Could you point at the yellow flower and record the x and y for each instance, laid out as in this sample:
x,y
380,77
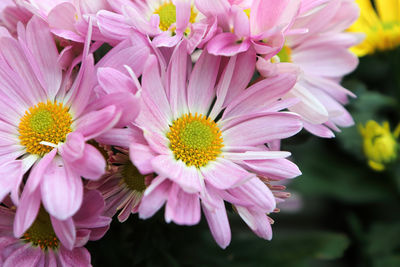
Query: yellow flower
x,y
380,144
381,26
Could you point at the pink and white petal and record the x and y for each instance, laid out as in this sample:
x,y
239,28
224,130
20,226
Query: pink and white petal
x,y
182,208
142,156
217,220
201,88
263,17
25,255
128,105
116,137
41,43
241,23
227,44
188,178
319,130
78,257
224,174
65,231
154,94
261,94
27,211
113,25
255,155
273,168
136,19
212,7
73,148
177,80
260,130
95,123
62,16
257,193
61,190
183,12
82,88
309,107
91,165
10,177
332,61
153,200
114,81
257,221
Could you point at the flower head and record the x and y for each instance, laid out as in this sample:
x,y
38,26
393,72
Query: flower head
x,y
50,242
47,119
379,143
381,26
206,143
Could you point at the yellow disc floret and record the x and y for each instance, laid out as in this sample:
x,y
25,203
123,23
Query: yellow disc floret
x,y
45,122
41,233
195,140
167,13
285,55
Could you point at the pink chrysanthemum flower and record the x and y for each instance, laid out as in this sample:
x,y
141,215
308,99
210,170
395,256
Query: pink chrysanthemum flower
x,y
261,24
122,186
68,19
43,244
205,141
45,123
322,58
166,21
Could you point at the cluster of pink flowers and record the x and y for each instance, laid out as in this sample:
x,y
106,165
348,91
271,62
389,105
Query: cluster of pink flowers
x,y
172,115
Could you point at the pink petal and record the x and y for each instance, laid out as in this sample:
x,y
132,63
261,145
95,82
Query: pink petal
x,y
227,44
274,168
42,45
260,130
218,222
187,177
114,81
182,208
113,25
141,156
224,174
65,231
61,190
10,177
201,89
91,165
155,199
27,211
257,221
24,256
78,257
95,123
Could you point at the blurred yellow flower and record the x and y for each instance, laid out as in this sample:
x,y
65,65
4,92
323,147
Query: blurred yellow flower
x,y
379,143
381,27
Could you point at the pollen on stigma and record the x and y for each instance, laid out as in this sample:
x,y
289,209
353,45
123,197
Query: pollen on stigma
x,y
167,13
45,122
196,140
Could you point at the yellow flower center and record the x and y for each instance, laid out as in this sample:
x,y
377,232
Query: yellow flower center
x,y
167,13
133,179
41,233
44,122
195,140
285,55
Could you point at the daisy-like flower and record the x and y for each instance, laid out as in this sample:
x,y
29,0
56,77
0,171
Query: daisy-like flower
x,y
45,123
260,24
205,141
381,26
166,21
321,56
68,19
43,243
122,186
